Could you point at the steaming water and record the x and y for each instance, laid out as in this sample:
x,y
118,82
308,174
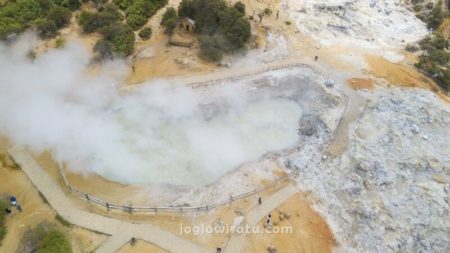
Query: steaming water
x,y
165,133
189,151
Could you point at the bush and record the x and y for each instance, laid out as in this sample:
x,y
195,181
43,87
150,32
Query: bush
x,y
60,42
169,19
235,28
145,33
3,205
122,38
267,12
104,48
436,17
45,238
46,28
94,21
55,242
71,4
240,7
136,21
211,48
435,60
144,8
16,16
226,27
60,16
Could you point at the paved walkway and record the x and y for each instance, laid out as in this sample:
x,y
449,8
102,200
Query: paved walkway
x,y
237,241
121,231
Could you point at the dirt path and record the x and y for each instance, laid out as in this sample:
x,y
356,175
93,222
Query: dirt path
x,y
119,229
237,241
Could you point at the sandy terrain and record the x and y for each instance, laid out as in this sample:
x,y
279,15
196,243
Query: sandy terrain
x,y
402,75
35,211
311,233
360,83
141,246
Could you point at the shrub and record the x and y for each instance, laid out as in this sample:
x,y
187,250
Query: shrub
x,y
60,42
46,28
92,22
211,48
16,16
169,19
59,15
136,21
225,27
436,16
144,8
3,205
46,5
71,4
104,48
235,28
145,33
240,7
267,12
122,38
54,242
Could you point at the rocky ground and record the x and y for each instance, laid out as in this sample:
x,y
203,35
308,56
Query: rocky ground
x,y
362,23
390,190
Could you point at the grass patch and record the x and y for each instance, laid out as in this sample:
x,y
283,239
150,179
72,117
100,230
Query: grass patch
x,y
45,238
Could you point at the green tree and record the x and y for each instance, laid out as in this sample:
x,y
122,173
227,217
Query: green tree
x,y
136,21
169,19
46,28
16,16
145,33
94,21
59,15
240,7
72,4
122,38
211,48
436,17
236,28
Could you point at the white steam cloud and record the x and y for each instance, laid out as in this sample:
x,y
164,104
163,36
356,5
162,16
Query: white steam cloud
x,y
165,133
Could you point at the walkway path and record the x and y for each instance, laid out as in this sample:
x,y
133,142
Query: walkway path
x,y
237,241
121,231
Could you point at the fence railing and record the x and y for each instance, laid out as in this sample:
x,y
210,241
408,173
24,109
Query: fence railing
x,y
207,83
170,209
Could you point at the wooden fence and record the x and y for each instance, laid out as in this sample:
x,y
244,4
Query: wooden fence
x,y
170,209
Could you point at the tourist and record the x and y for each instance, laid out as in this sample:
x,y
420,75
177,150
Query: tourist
x,y
259,201
133,241
19,208
13,201
8,210
316,58
219,250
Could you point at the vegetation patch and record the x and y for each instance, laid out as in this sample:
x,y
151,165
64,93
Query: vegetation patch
x,y
3,206
222,28
435,59
145,33
45,238
169,19
45,15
